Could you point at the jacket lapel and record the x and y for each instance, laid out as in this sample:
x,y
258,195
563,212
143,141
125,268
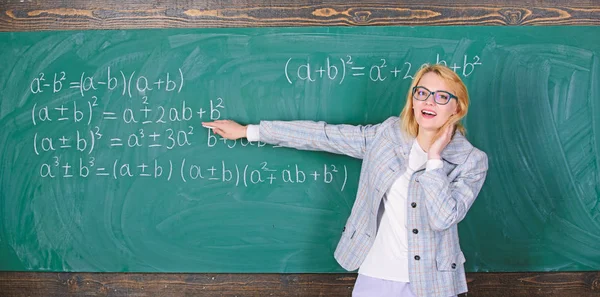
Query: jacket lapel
x,y
403,143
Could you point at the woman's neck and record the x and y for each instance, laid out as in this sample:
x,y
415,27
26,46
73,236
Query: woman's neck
x,y
424,138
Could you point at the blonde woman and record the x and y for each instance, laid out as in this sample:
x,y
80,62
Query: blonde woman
x,y
419,178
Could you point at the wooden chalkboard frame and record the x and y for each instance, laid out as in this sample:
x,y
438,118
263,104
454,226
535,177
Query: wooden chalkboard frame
x,y
26,15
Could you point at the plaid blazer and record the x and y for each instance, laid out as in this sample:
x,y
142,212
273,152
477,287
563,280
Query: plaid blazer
x,y
437,199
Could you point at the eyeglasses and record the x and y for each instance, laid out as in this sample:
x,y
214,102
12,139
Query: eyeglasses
x,y
440,97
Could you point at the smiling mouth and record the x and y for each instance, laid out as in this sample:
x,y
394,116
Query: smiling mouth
x,y
428,113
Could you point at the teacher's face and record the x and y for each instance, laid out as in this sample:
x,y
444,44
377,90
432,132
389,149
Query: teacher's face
x,y
428,102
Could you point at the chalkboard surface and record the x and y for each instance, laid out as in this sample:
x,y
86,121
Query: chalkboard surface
x,y
105,166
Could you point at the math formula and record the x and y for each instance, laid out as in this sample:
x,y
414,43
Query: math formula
x,y
348,68
83,128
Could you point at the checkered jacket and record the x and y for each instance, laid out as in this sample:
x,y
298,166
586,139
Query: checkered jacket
x,y
437,199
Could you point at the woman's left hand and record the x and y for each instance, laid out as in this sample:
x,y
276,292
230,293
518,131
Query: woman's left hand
x,y
436,148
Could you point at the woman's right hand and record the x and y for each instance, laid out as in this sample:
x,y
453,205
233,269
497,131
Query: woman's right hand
x,y
227,129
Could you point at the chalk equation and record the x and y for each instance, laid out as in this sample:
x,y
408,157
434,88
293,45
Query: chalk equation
x,y
341,69
169,138
122,82
85,112
147,136
236,174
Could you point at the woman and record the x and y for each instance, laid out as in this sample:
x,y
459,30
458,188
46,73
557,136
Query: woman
x,y
419,178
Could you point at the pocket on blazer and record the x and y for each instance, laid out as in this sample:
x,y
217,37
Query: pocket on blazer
x,y
450,262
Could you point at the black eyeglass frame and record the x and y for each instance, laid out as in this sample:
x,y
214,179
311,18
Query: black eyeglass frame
x,y
452,96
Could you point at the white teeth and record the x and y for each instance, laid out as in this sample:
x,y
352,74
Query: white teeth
x,y
428,112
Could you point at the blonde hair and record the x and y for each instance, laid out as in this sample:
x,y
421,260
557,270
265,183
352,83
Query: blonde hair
x,y
457,87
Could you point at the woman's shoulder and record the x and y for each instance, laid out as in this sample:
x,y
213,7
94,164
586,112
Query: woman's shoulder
x,y
391,121
479,157
461,151
475,156
392,129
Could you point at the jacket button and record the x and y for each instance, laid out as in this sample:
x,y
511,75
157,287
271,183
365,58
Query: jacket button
x,y
415,231
417,258
453,265
414,204
344,230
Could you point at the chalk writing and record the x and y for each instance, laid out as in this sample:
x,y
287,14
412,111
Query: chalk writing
x,y
146,127
123,82
341,69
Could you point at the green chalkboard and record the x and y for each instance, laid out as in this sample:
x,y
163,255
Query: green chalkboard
x,y
105,166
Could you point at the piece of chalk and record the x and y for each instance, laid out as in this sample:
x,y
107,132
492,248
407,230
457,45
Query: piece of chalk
x,y
207,127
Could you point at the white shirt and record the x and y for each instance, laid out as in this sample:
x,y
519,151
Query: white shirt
x,y
388,257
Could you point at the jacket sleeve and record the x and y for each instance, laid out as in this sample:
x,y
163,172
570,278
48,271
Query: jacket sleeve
x,y
448,201
319,136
